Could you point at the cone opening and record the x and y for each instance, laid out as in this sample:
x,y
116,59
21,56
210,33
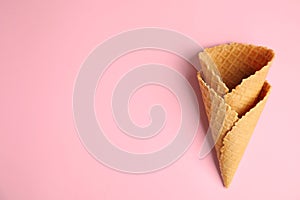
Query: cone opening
x,y
236,61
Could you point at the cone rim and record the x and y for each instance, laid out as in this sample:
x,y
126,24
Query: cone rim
x,y
243,80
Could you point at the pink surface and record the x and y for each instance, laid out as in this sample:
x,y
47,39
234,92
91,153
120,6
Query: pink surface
x,y
43,44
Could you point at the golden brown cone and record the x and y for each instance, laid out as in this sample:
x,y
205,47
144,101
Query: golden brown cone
x,y
236,140
233,105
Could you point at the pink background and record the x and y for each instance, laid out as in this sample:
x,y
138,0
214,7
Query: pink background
x,y
43,44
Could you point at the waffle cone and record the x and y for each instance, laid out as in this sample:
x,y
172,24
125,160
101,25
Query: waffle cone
x,y
236,140
234,91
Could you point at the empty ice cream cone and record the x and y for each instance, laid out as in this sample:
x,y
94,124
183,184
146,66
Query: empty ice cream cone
x,y
234,91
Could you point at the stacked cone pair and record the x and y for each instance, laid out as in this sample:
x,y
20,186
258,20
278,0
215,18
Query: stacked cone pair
x,y
234,92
